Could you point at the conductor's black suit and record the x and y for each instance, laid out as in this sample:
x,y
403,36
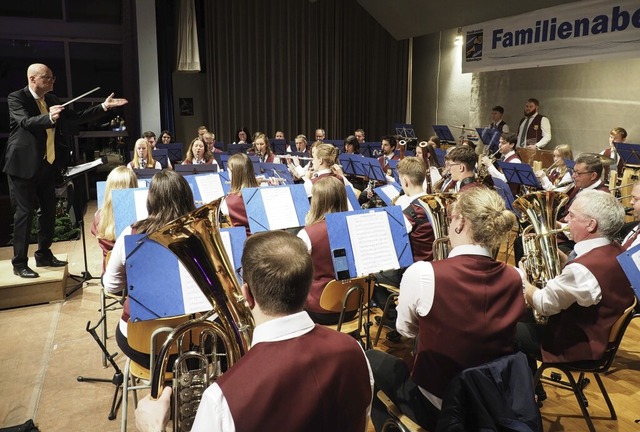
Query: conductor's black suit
x,y
31,177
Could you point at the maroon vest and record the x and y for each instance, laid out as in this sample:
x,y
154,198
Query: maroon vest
x,y
535,129
323,272
468,182
237,211
564,211
421,236
582,333
315,382
477,303
383,164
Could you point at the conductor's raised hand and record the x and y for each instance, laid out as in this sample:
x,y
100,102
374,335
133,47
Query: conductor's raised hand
x,y
111,102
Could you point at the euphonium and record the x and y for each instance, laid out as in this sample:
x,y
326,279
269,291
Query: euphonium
x,y
541,250
438,208
195,240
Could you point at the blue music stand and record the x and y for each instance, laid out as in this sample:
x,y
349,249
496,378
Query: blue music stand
x,y
275,170
195,168
440,154
339,237
238,148
393,164
519,173
254,202
505,192
352,164
175,151
145,173
570,163
490,137
629,153
278,146
404,130
373,170
161,155
444,134
371,149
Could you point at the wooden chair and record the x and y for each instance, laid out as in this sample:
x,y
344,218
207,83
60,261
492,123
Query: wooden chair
x,y
146,337
595,367
397,420
344,296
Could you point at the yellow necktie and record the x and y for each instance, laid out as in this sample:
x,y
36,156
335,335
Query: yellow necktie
x,y
51,146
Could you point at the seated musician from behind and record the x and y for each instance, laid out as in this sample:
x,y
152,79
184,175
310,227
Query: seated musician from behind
x,y
104,224
323,165
463,310
617,135
262,149
558,179
461,162
426,153
169,197
142,157
583,301
242,176
297,376
198,154
329,196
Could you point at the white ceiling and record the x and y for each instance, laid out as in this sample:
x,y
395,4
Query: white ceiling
x,y
410,18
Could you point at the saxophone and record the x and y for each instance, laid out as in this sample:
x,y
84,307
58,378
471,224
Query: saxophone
x,y
227,329
541,250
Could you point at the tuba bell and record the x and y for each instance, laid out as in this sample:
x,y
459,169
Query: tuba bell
x,y
438,208
541,260
227,329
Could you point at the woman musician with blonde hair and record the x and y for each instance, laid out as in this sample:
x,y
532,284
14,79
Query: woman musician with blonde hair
x,y
323,165
559,174
242,176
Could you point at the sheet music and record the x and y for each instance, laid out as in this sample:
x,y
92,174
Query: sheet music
x,y
372,244
193,298
140,203
279,207
390,191
78,169
210,187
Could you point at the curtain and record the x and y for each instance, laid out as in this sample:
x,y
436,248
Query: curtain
x,y
165,35
295,66
188,51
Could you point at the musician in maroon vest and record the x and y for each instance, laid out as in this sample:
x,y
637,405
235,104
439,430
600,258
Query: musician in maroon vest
x,y
323,165
329,196
633,236
463,311
388,149
534,130
297,376
617,135
590,294
507,149
461,162
242,176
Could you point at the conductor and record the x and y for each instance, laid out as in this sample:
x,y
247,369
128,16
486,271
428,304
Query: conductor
x,y
37,149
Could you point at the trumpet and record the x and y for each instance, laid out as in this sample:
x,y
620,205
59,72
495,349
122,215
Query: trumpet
x,y
547,171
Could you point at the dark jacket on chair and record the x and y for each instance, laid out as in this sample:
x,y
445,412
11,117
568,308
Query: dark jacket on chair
x,y
496,396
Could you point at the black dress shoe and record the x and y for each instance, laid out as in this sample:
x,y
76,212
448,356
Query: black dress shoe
x,y
25,272
50,262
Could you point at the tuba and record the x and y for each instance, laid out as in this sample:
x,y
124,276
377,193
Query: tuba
x,y
227,329
541,250
438,209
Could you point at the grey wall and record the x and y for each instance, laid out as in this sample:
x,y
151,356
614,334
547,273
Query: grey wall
x,y
583,102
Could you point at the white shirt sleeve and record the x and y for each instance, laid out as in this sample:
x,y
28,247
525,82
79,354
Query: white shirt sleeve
x,y
417,290
494,172
115,276
545,125
302,235
213,413
576,284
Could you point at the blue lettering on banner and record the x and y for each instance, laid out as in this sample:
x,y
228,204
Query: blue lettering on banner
x,y
549,30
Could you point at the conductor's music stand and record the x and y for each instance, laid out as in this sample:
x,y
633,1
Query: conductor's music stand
x,y
444,134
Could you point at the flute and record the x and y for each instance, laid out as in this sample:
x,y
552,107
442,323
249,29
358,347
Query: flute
x,y
288,156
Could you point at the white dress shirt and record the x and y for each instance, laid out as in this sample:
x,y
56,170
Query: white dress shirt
x,y
545,125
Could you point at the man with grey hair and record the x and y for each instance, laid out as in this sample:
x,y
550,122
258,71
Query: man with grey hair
x,y
588,296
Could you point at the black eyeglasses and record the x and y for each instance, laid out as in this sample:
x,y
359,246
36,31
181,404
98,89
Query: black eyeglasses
x,y
578,173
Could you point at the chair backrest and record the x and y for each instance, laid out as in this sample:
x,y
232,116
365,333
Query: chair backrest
x,y
350,294
615,336
139,333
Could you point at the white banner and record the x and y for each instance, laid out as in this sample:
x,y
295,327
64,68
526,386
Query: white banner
x,y
572,33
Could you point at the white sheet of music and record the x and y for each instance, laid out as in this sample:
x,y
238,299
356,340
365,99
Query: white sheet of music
x,y
140,202
279,207
210,187
193,298
372,244
226,242
390,191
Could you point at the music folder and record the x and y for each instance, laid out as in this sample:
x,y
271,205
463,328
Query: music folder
x,y
129,206
519,173
388,192
374,239
444,133
85,167
275,207
630,262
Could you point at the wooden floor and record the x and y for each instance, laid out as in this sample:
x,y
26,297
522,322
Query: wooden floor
x,y
43,348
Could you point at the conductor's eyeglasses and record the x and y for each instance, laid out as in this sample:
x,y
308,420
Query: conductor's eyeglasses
x,y
48,77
